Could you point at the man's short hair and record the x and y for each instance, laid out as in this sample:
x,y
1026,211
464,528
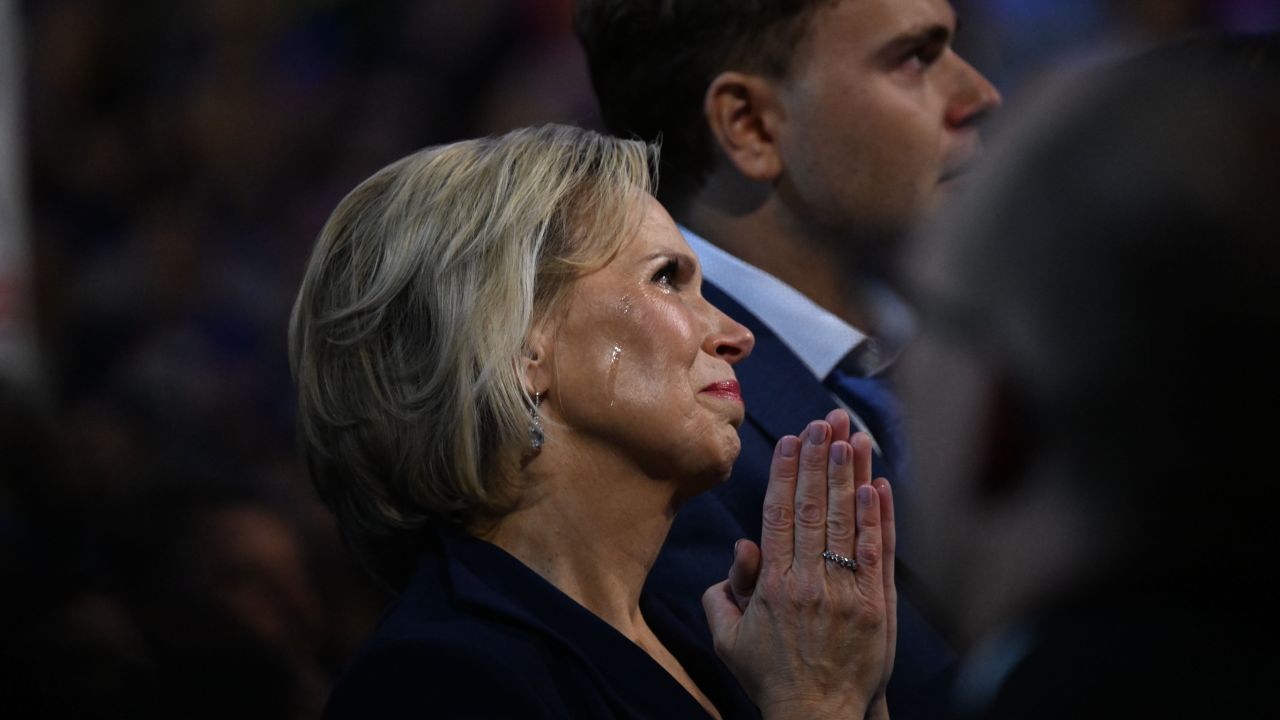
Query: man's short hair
x,y
651,62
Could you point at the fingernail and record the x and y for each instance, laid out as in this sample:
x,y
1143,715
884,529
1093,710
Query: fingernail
x,y
840,453
860,439
864,495
789,446
736,544
817,433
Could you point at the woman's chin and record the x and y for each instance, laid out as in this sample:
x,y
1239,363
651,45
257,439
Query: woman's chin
x,y
717,471
731,454
724,454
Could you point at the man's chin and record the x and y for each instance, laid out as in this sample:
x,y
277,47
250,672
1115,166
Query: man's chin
x,y
946,190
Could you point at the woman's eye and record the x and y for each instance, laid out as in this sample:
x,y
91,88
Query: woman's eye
x,y
666,275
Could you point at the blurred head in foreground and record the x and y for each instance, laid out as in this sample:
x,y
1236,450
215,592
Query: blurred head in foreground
x,y
1094,384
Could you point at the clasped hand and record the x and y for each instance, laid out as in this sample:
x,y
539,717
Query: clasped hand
x,y
807,637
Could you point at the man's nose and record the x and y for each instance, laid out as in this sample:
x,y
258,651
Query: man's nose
x,y
974,99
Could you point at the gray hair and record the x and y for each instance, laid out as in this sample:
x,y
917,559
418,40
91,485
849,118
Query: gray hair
x,y
406,337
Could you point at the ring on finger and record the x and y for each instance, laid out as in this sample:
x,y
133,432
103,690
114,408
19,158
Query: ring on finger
x,y
844,562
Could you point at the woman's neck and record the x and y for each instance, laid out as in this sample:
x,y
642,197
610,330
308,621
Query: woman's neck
x,y
592,527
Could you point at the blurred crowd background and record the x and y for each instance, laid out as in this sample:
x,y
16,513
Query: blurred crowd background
x,y
167,167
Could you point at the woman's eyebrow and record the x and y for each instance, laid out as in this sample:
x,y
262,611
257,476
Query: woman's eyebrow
x,y
680,255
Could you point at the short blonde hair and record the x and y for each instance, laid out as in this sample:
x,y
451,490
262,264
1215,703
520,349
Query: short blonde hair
x,y
407,333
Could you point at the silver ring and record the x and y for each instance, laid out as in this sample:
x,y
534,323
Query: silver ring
x,y
841,560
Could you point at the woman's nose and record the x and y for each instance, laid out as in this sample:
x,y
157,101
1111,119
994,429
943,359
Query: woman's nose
x,y
729,339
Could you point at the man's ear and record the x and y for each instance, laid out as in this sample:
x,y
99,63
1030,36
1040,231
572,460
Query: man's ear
x,y
744,116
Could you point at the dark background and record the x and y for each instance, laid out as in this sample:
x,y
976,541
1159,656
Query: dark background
x,y
161,551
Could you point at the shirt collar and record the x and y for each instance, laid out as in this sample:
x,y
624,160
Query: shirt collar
x,y
816,336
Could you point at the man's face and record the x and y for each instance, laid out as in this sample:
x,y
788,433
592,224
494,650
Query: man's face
x,y
879,115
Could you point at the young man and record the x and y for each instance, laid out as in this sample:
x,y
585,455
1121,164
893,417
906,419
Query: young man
x,y
800,139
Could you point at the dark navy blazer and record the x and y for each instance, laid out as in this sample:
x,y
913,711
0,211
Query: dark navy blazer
x,y
477,634
782,397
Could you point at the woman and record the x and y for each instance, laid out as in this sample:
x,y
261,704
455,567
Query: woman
x,y
506,372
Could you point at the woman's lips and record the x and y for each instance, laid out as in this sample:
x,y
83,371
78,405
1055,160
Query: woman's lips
x,y
725,389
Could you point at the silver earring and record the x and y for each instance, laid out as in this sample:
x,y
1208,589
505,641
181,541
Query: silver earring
x,y
536,436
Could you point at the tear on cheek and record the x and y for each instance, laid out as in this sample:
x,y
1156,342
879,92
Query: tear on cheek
x,y
612,380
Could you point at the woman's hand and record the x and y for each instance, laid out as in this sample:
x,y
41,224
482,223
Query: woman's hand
x,y
841,426
811,638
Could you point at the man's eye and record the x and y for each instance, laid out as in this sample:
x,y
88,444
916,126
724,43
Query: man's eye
x,y
666,275
924,56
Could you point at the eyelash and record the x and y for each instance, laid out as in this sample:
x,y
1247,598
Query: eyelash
x,y
667,274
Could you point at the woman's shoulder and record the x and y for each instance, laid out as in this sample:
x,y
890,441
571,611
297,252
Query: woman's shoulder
x,y
454,649
468,670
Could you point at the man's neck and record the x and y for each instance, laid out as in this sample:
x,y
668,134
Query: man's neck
x,y
765,238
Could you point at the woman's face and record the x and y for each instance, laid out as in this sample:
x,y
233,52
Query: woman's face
x,y
642,365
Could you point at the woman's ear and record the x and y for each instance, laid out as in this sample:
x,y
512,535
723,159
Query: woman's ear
x,y
744,116
537,360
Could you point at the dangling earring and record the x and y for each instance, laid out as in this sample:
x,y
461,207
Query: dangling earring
x,y
536,437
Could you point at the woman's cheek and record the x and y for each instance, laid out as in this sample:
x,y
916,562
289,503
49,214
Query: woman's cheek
x,y
645,357
611,375
635,384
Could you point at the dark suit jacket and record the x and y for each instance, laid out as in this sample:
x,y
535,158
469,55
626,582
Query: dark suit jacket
x,y
782,397
477,634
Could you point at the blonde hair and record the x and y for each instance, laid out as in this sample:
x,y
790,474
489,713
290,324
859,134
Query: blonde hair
x,y
407,333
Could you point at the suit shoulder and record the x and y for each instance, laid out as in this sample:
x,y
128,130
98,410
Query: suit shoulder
x,y
458,670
